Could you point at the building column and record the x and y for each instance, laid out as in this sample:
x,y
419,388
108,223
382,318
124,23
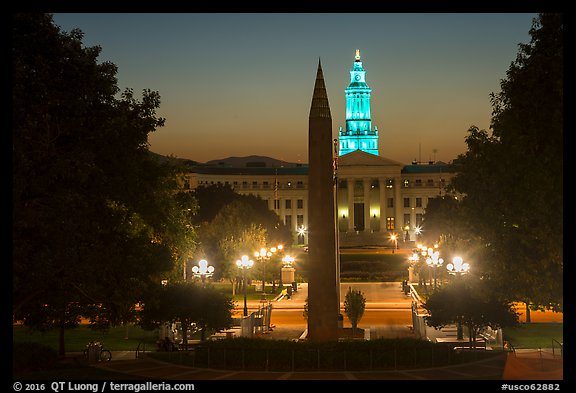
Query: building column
x,y
367,215
398,204
281,210
383,203
350,185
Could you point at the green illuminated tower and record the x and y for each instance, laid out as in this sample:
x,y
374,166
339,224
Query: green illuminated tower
x,y
359,134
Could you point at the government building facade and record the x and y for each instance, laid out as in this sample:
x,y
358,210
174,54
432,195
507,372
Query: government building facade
x,y
376,197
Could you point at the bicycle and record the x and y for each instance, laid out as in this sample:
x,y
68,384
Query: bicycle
x,y
104,354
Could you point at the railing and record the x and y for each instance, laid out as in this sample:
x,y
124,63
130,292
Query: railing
x,y
560,345
141,350
507,346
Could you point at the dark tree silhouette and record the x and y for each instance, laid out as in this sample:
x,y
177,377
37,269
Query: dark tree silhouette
x,y
469,304
94,219
190,305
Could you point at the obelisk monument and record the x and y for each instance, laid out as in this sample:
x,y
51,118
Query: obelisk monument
x,y
323,291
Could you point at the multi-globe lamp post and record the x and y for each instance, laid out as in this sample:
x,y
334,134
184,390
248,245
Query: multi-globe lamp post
x,y
263,255
203,270
244,263
434,261
458,268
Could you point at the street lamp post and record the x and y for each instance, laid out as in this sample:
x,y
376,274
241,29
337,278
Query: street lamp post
x,y
417,233
301,234
279,249
458,267
244,263
263,255
434,261
203,270
412,261
394,238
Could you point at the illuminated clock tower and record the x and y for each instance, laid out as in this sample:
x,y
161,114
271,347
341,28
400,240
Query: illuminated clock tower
x,y
359,134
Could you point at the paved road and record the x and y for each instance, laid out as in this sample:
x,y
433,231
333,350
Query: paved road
x,y
387,313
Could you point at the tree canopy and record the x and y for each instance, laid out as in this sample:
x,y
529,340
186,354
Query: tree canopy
x,y
191,305
235,225
512,178
469,303
94,216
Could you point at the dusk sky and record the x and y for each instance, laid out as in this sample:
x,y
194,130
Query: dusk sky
x,y
241,84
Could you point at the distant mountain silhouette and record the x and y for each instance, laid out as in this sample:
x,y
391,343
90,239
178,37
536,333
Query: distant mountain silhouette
x,y
173,160
251,161
232,162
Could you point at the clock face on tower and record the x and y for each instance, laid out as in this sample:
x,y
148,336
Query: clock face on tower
x,y
357,77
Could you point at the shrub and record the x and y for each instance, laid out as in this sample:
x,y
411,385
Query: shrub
x,y
283,355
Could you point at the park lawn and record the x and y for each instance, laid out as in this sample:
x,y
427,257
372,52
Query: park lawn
x,y
251,293
535,335
373,267
120,338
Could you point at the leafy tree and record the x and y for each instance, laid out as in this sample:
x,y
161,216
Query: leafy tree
x,y
211,199
191,305
513,179
233,232
240,227
354,305
470,304
214,198
94,217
